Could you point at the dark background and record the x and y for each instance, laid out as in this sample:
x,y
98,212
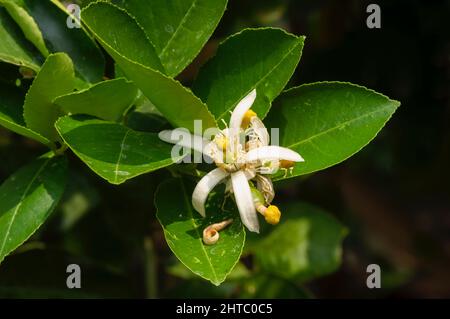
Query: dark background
x,y
394,196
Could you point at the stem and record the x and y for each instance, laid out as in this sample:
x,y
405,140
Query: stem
x,y
60,151
151,280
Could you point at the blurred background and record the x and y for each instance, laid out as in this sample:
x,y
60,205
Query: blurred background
x,y
393,196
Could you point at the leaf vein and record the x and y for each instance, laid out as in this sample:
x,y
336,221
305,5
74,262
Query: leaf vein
x,y
16,210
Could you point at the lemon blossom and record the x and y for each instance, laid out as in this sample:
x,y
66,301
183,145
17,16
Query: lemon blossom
x,y
243,157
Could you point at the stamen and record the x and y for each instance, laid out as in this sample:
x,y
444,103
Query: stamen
x,y
271,214
211,233
286,164
221,142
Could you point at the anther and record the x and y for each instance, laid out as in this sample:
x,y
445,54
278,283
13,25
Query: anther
x,y
271,214
247,117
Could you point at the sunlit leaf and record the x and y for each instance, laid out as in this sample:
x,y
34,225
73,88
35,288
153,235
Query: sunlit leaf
x,y
107,100
113,151
55,78
183,228
264,59
27,198
178,29
129,46
328,122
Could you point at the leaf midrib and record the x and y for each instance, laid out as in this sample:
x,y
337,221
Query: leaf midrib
x,y
177,29
16,210
264,77
120,155
340,125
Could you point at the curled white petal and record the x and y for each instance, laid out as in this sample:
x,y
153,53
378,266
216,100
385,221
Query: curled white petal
x,y
241,108
244,201
183,138
273,152
204,187
238,114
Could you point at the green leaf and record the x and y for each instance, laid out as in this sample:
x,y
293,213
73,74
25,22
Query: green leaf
x,y
328,122
11,113
264,59
178,29
55,78
26,23
113,151
51,18
127,43
27,198
14,48
107,100
305,246
183,228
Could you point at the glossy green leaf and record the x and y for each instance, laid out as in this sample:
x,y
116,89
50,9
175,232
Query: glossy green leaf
x,y
51,18
178,29
55,78
136,57
11,113
327,122
107,100
264,59
14,48
27,198
305,246
183,228
113,151
27,24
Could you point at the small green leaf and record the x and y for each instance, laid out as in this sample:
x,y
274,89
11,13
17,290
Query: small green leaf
x,y
113,151
107,100
14,48
328,122
264,59
11,113
51,18
27,24
127,43
177,28
55,78
305,246
183,228
27,198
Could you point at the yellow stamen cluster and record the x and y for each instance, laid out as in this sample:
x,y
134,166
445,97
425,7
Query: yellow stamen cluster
x,y
222,142
247,117
272,215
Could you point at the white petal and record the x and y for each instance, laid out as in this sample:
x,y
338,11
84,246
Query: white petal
x,y
238,114
183,138
241,108
273,152
244,201
204,186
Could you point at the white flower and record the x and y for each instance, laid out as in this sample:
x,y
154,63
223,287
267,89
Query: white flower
x,y
241,153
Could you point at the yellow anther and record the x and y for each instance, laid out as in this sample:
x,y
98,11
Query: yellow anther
x,y
247,117
286,164
272,215
222,142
